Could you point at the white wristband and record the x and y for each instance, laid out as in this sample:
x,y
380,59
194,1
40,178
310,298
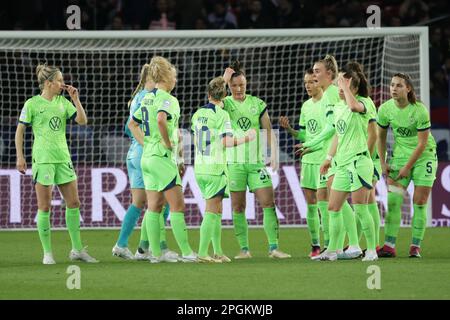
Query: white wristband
x,y
329,158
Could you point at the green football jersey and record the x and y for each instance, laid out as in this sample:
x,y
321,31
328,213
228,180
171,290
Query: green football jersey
x,y
329,99
312,120
210,124
405,124
154,102
244,116
48,120
371,116
351,128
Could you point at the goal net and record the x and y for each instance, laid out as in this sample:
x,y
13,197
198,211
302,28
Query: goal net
x,y
105,67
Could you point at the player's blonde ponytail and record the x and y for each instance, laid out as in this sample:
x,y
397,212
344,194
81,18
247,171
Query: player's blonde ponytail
x,y
145,71
217,89
45,72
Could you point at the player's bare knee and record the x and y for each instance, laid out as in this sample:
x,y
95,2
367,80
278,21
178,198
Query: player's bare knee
x,y
73,203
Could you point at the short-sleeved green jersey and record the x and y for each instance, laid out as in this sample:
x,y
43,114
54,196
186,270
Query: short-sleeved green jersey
x,y
210,124
405,123
351,128
371,116
312,120
244,116
329,99
48,120
154,102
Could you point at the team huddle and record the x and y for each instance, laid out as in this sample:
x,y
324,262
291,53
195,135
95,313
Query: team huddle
x,y
342,148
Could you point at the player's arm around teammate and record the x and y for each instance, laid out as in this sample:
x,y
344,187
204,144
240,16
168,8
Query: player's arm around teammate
x,y
313,186
47,114
212,134
247,168
414,158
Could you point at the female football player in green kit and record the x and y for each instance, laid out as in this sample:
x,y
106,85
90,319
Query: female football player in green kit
x,y
212,130
372,136
246,165
159,114
48,114
310,125
413,159
325,72
137,186
353,164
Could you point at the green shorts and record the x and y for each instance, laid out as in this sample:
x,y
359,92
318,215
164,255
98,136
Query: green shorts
x,y
310,177
53,173
331,171
160,173
423,173
354,175
213,186
255,176
376,170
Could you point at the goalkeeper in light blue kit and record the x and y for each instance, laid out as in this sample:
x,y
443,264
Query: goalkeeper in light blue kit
x,y
137,187
212,130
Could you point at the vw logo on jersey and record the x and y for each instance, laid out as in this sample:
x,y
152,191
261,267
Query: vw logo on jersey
x,y
312,125
55,123
341,126
404,132
244,123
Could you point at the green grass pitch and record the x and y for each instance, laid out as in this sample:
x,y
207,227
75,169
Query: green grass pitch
x,y
22,276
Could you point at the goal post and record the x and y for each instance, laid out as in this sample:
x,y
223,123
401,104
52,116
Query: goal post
x,y
105,66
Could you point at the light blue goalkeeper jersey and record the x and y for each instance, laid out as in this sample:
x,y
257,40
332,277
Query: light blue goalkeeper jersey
x,y
135,150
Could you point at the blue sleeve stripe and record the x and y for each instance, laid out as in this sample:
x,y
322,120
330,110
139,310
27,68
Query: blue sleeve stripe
x,y
372,120
384,127
423,129
226,134
72,117
25,123
137,120
169,116
262,112
328,113
302,127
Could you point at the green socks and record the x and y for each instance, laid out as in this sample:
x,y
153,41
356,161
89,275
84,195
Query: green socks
x,y
206,232
43,226
336,225
367,224
143,242
375,214
180,232
312,219
270,223
217,235
350,224
241,229
73,225
152,226
162,230
419,223
323,207
393,217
